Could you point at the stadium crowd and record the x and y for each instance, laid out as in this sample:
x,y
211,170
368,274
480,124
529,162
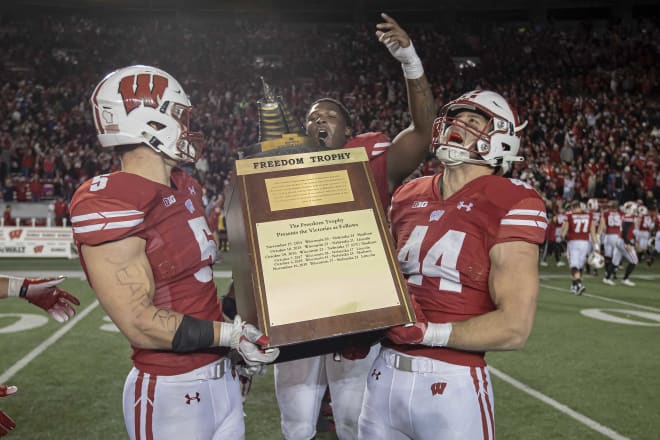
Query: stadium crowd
x,y
589,91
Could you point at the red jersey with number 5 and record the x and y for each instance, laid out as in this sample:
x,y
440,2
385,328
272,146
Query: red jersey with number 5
x,y
179,246
443,246
579,225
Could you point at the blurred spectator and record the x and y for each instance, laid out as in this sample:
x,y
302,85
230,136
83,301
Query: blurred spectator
x,y
61,211
7,217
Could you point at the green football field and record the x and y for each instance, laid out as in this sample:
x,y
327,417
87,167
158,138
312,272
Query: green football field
x,y
589,370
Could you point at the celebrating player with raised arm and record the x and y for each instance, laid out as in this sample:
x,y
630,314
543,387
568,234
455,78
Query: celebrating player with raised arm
x,y
43,293
147,250
468,243
301,384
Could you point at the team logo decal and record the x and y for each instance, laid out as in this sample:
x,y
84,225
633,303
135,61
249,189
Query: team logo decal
x,y
169,200
142,90
191,398
189,206
375,374
467,206
435,215
438,388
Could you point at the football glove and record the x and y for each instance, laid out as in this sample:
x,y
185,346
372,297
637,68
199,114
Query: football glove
x,y
247,340
43,293
421,332
6,423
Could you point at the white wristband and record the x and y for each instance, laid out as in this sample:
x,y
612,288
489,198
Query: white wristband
x,y
14,286
225,334
437,335
413,69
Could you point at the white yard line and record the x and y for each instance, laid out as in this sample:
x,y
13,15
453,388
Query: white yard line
x,y
607,432
18,366
604,298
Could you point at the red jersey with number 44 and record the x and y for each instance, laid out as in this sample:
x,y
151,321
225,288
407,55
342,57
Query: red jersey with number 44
x,y
579,225
179,246
443,246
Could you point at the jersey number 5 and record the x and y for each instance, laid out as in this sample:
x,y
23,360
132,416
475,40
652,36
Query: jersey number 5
x,y
206,247
439,262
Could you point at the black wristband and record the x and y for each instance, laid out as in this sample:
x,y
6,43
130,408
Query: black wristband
x,y
192,335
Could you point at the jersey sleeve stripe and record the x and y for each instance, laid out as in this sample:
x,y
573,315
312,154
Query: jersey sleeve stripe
x,y
106,226
85,217
125,224
534,223
105,214
90,228
528,212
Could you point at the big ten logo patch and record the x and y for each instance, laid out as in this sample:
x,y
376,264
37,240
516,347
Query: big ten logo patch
x,y
438,388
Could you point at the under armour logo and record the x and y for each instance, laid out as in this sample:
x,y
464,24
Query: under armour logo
x,y
190,399
467,206
438,388
191,190
375,374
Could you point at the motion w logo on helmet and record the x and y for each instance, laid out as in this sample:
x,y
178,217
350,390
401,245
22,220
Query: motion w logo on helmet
x,y
142,89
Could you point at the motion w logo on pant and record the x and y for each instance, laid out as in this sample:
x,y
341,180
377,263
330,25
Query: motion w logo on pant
x,y
438,388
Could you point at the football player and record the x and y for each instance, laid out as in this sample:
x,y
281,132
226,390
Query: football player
x,y
43,293
610,227
646,225
300,384
625,244
147,249
470,255
580,231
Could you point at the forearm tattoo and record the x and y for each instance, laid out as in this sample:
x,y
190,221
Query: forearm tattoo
x,y
167,319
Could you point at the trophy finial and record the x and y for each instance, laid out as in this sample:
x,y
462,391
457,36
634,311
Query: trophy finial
x,y
268,92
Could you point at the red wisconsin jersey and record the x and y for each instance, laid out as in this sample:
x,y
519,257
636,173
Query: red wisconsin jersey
x,y
179,246
646,223
579,225
629,235
595,217
376,144
612,221
443,246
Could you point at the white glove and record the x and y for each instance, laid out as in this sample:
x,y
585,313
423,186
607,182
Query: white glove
x,y
247,340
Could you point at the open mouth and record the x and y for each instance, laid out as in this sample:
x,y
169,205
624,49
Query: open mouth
x,y
322,136
455,138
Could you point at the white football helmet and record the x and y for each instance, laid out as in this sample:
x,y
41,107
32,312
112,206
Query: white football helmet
x,y
496,145
642,210
145,105
629,208
592,205
596,260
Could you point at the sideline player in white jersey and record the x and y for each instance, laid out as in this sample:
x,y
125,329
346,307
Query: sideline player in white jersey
x,y
147,250
468,243
580,233
300,384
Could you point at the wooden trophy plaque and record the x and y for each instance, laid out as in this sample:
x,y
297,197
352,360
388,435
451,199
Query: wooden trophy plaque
x,y
313,255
